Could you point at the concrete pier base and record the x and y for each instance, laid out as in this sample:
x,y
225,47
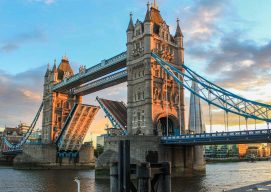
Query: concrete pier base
x,y
44,157
185,160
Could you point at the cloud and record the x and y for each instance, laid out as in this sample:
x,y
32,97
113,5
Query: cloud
x,y
200,19
20,96
240,63
23,38
213,39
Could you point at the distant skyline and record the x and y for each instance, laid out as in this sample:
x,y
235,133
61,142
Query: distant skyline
x,y
227,42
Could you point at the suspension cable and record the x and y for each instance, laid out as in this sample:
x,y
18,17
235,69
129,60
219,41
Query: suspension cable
x,y
167,103
210,118
246,124
180,117
225,124
227,115
255,124
239,122
210,112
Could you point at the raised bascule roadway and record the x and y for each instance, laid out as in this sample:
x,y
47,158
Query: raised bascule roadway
x,y
153,67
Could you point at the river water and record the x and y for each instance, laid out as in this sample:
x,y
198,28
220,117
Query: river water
x,y
219,177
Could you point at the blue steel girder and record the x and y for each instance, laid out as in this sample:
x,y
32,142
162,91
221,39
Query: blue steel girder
x,y
234,137
59,139
215,95
111,118
105,82
115,63
18,146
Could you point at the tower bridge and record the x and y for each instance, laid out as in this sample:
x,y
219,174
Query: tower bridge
x,y
154,118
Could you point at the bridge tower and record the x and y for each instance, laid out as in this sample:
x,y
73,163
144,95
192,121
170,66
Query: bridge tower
x,y
56,105
155,101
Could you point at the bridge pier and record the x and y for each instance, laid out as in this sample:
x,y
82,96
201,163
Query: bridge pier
x,y
185,160
45,157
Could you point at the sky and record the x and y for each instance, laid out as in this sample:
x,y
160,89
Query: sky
x,y
226,41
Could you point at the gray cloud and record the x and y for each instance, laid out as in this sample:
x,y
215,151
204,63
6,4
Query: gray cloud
x,y
20,96
237,61
17,41
200,20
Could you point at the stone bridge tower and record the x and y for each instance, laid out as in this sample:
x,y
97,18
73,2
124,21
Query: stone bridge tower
x,y
155,101
56,105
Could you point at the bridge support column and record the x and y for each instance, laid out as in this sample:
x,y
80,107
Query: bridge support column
x,y
188,162
199,161
184,160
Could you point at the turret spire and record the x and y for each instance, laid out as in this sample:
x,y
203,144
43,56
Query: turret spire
x,y
155,5
148,15
131,24
54,68
48,70
178,30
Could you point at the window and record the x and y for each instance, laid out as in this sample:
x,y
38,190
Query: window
x,y
138,95
156,29
138,32
157,73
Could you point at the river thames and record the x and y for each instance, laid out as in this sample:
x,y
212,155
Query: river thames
x,y
219,177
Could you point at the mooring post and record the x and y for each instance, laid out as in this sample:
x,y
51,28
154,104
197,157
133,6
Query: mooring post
x,y
166,177
114,177
144,174
120,166
126,166
77,180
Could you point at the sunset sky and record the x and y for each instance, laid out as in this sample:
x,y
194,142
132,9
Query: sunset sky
x,y
226,41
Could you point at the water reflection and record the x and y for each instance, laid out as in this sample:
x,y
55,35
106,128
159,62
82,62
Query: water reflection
x,y
220,176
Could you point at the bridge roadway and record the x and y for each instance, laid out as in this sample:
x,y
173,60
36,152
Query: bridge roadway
x,y
234,137
103,83
103,68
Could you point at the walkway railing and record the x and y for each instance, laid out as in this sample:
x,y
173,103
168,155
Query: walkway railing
x,y
250,136
104,64
100,82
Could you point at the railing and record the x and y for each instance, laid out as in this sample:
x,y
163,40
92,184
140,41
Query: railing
x,y
249,136
115,123
218,134
104,64
17,146
102,81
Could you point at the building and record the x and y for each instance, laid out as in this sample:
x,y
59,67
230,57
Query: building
x,y
13,134
100,140
238,150
221,151
23,127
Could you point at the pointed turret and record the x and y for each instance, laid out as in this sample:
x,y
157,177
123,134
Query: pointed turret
x,y
64,68
196,123
148,14
131,24
48,70
178,30
54,68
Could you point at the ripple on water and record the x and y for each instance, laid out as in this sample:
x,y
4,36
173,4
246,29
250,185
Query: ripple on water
x,y
219,176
